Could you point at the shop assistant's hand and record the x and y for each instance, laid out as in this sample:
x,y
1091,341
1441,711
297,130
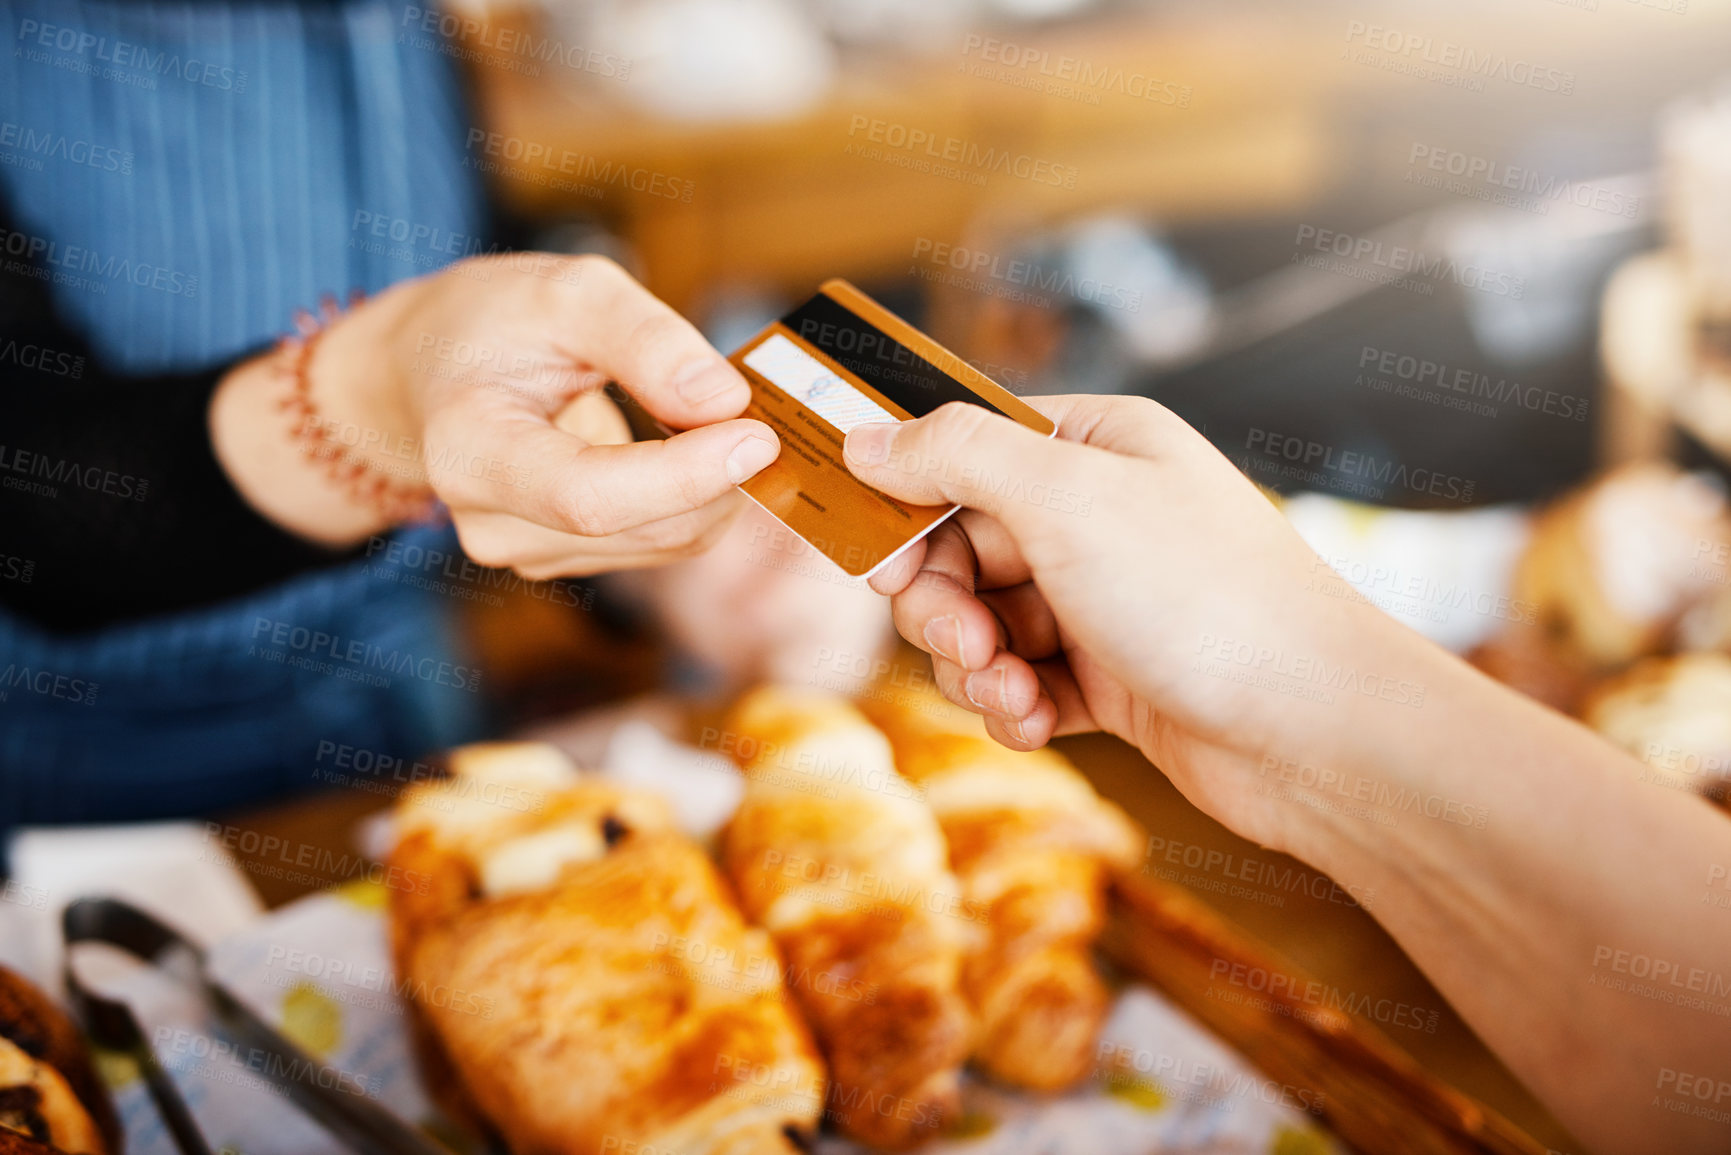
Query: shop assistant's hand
x,y
1125,576
473,381
762,605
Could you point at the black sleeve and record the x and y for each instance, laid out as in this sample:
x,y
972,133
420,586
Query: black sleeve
x,y
112,503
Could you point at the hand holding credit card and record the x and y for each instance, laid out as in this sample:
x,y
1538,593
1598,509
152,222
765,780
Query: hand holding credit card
x,y
837,361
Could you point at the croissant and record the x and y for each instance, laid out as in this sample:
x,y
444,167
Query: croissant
x,y
50,1096
583,981
839,858
1032,845
36,1102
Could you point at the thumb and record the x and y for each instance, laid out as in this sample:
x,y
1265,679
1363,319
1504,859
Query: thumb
x,y
968,455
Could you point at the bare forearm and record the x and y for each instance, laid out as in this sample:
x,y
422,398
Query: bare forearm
x,y
1570,927
1510,851
255,437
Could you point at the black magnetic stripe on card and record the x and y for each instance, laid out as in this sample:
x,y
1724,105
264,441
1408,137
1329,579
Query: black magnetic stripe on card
x,y
878,359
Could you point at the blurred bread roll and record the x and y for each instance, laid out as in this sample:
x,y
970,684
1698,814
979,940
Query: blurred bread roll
x,y
1523,657
50,1097
1695,154
1675,715
1613,569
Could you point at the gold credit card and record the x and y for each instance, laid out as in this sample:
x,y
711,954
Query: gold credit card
x,y
841,360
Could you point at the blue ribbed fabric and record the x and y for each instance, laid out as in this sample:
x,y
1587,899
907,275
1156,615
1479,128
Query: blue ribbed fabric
x,y
230,706
244,182
228,151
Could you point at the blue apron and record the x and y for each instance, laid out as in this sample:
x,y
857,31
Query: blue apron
x,y
260,155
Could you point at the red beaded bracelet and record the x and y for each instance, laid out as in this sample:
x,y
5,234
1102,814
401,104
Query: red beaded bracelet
x,y
393,500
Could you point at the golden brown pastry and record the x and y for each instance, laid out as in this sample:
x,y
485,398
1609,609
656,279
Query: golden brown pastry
x,y
1707,624
14,1143
1613,570
1524,656
49,1091
1033,846
1675,715
36,1100
583,976
838,858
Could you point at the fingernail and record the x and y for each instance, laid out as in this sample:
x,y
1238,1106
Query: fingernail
x,y
705,380
985,689
749,456
870,444
1013,727
944,636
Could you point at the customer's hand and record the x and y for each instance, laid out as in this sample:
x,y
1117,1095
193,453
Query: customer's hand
x,y
469,380
1126,577
1504,845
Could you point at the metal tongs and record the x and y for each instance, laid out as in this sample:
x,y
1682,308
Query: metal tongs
x,y
359,1123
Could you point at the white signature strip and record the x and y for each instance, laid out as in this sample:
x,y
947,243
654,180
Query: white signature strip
x,y
814,385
